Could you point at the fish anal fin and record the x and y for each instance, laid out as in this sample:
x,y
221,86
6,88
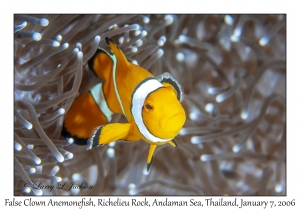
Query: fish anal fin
x,y
122,62
150,156
108,133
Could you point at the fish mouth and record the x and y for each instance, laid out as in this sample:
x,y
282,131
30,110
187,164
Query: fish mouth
x,y
174,116
178,116
170,121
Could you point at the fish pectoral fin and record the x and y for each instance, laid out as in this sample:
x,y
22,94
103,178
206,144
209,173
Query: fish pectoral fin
x,y
173,143
108,133
150,156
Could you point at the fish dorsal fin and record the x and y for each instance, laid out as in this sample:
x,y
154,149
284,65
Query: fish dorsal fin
x,y
167,80
100,62
122,63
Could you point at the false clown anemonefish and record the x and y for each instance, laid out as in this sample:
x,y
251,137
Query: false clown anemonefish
x,y
151,105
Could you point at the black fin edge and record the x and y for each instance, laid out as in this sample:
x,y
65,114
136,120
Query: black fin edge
x,y
93,140
79,141
91,60
108,40
174,142
167,77
149,164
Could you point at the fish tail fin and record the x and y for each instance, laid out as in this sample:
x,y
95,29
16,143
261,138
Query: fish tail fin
x,y
83,116
108,133
121,58
150,156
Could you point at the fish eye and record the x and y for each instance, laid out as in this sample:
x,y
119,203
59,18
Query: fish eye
x,y
148,107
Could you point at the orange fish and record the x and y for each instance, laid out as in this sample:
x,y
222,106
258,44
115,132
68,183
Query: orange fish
x,y
151,105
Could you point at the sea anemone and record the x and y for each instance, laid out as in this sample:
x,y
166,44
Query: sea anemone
x,y
232,69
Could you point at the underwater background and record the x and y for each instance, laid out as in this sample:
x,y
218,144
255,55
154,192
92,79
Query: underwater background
x,y
232,69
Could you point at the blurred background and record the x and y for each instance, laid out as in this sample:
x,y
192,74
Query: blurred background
x,y
232,69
